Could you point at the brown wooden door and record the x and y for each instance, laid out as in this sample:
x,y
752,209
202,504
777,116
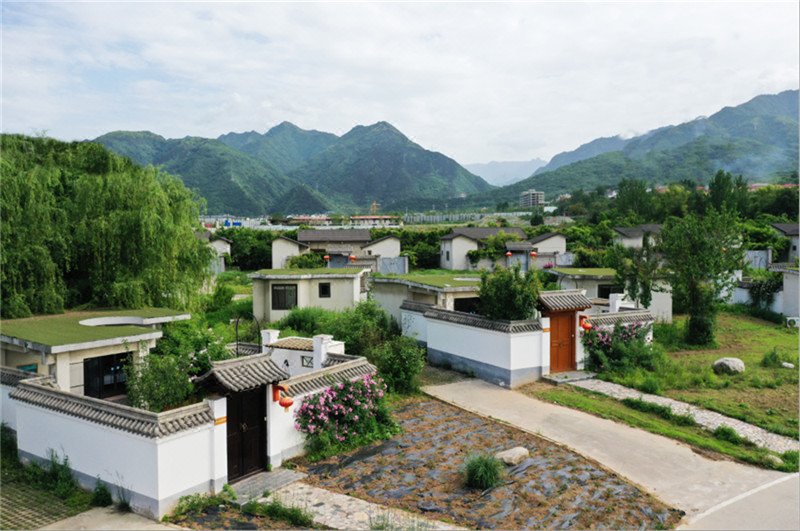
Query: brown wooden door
x,y
562,342
247,446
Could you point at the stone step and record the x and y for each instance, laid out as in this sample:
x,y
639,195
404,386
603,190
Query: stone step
x,y
559,378
254,487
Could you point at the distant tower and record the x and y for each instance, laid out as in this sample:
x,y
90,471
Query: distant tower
x,y
373,209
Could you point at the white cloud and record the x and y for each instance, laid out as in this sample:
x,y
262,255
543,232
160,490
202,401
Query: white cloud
x,y
477,82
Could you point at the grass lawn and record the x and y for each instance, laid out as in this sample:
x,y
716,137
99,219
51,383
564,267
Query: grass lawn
x,y
764,396
65,328
702,440
440,278
237,280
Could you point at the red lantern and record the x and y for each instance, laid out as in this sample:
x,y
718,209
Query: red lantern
x,y
508,254
352,258
286,402
533,254
586,325
326,258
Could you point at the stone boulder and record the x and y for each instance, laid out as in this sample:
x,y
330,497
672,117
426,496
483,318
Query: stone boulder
x,y
787,365
728,366
513,456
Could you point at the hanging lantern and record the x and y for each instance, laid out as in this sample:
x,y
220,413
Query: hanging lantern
x,y
352,258
586,325
533,254
327,258
508,254
276,392
286,402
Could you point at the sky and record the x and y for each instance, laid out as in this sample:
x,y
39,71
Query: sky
x,y
475,81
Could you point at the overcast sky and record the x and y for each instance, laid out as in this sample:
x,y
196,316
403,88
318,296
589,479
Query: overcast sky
x,y
478,82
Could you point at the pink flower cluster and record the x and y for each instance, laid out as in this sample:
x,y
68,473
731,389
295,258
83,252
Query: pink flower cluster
x,y
548,265
341,409
603,339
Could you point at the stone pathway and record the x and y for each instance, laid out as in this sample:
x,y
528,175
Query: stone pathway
x,y
338,511
253,487
705,418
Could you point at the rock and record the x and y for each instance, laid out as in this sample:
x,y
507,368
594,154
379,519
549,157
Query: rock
x,y
429,506
787,365
513,456
728,366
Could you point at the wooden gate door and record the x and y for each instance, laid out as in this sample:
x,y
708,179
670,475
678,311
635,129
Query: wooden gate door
x,y
247,445
562,342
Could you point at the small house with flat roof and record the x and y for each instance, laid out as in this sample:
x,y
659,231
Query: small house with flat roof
x,y
84,352
791,231
633,237
453,247
277,291
339,245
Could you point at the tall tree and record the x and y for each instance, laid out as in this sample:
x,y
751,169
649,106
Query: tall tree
x,y
81,225
701,254
636,270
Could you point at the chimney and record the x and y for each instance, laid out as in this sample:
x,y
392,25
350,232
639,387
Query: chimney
x,y
321,343
268,337
615,301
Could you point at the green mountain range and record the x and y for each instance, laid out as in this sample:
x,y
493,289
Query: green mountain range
x,y
292,171
757,139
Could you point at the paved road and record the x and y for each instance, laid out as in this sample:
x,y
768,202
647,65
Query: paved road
x,y
668,469
110,518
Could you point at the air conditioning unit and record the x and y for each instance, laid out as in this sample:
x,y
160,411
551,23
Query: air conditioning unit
x,y
793,322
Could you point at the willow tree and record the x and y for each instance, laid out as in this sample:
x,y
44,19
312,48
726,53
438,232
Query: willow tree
x,y
82,225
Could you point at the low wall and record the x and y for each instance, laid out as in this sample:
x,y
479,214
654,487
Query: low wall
x,y
506,353
413,322
147,458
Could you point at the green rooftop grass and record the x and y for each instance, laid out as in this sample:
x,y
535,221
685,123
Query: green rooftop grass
x,y
586,271
317,271
65,328
441,279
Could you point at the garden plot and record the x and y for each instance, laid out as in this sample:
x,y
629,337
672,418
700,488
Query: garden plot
x,y
421,471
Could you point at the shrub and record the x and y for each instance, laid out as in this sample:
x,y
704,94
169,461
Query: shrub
x,y
726,433
791,459
650,385
195,504
345,415
158,382
622,349
306,261
8,445
483,471
293,515
101,496
508,294
223,294
772,359
400,362
668,335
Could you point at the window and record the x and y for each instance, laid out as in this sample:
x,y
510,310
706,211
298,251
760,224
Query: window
x,y
32,367
604,290
447,256
104,376
284,296
307,361
324,290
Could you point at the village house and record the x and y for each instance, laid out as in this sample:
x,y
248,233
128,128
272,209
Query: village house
x,y
277,291
342,247
83,352
633,237
791,231
454,247
220,247
452,292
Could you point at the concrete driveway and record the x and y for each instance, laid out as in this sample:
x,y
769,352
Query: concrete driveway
x,y
109,518
668,469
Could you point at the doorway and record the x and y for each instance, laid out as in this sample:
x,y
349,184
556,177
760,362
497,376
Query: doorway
x,y
247,430
562,342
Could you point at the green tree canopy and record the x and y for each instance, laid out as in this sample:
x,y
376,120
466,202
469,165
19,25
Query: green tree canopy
x,y
83,226
509,294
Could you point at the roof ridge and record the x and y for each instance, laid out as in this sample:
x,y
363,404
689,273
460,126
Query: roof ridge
x,y
333,369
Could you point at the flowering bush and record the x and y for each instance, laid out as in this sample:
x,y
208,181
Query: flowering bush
x,y
345,415
623,348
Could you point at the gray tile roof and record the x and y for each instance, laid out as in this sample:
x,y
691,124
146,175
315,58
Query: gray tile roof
x,y
41,393
416,306
245,349
639,230
788,229
622,317
565,299
334,235
469,319
481,233
240,374
546,236
379,240
336,359
294,343
11,377
291,240
314,381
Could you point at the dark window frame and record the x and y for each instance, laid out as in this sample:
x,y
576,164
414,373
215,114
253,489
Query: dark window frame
x,y
281,296
307,362
609,288
324,290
